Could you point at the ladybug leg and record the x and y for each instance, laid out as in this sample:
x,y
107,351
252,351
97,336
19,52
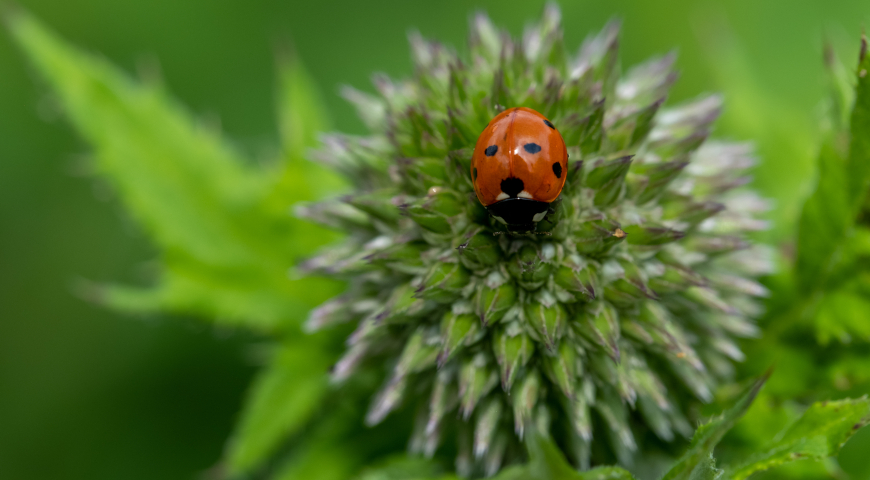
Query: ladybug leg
x,y
495,234
544,233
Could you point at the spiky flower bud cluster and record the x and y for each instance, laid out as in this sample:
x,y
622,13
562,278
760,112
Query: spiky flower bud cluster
x,y
607,328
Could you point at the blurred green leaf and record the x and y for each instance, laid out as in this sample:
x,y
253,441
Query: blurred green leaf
x,y
818,434
284,396
824,222
546,462
706,470
404,467
832,247
696,462
324,455
221,222
831,212
842,315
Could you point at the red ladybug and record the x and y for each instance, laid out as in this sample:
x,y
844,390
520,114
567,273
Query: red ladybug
x,y
518,167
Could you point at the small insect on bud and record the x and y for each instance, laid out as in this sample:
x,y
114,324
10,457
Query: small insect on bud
x,y
597,236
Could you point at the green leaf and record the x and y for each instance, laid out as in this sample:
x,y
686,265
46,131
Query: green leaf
x,y
406,468
829,215
706,470
320,460
283,397
326,453
824,222
546,462
842,315
696,462
818,434
221,222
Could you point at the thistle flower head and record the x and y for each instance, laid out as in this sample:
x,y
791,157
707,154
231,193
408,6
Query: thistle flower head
x,y
605,330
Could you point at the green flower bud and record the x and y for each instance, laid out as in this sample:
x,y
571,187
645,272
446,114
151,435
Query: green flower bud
x,y
476,379
513,349
335,215
457,331
691,213
561,367
380,205
651,235
525,398
404,257
435,211
486,426
585,323
423,173
597,236
547,317
444,282
631,285
443,400
652,179
492,303
607,177
602,328
480,250
580,282
529,268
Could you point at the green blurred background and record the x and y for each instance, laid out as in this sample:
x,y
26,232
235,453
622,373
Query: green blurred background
x,y
87,393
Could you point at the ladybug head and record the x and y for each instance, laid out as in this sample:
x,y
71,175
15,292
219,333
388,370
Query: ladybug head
x,y
519,214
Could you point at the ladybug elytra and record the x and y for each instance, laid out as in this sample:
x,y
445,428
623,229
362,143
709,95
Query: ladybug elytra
x,y
518,167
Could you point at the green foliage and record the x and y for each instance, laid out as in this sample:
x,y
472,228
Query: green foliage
x,y
696,462
221,222
281,400
819,433
816,329
546,462
405,468
830,239
228,244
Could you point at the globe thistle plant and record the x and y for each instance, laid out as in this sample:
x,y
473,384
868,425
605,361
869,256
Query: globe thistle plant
x,y
608,324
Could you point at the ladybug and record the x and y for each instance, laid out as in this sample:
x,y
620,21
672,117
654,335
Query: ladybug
x,y
518,167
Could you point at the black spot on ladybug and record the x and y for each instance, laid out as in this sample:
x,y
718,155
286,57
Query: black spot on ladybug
x,y
512,186
474,174
547,123
557,169
532,147
490,150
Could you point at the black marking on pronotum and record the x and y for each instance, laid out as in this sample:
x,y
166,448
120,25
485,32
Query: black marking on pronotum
x,y
512,186
532,147
490,150
547,123
557,169
474,174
